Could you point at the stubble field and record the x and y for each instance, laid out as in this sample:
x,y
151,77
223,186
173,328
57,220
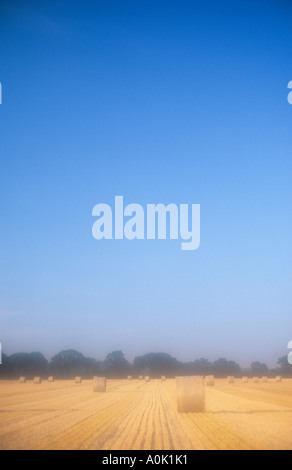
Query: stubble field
x,y
134,415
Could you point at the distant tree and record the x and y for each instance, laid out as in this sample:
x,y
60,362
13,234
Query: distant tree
x,y
70,363
156,364
283,362
285,368
223,368
198,367
258,369
116,365
27,364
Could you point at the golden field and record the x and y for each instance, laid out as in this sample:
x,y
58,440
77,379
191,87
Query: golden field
x,y
134,415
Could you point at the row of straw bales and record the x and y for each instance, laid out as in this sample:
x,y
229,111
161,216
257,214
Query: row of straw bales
x,y
36,380
255,380
209,379
99,382
78,380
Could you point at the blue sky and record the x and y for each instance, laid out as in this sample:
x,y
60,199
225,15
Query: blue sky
x,y
177,101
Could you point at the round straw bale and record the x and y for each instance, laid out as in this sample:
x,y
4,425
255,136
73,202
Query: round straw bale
x,y
190,394
163,378
130,377
265,379
99,385
78,380
231,380
140,377
37,381
22,380
210,381
51,379
245,380
147,378
256,380
278,379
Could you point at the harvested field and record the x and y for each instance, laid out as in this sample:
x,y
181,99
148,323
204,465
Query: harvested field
x,y
137,415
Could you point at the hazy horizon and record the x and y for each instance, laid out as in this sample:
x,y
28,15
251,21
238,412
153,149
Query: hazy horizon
x,y
131,358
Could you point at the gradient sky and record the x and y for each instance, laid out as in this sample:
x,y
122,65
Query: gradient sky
x,y
159,101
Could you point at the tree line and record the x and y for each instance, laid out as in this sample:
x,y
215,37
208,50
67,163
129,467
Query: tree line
x,y
70,363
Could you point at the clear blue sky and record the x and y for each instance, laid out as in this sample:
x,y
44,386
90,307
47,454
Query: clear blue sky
x,y
158,101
